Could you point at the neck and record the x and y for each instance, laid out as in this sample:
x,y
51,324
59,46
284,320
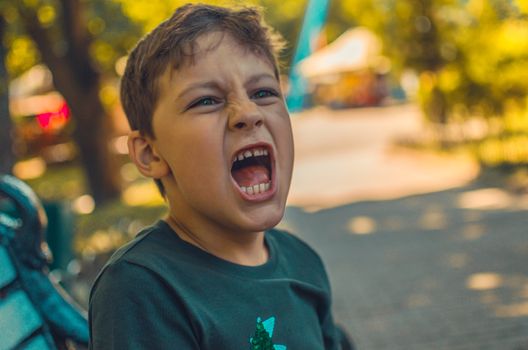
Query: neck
x,y
245,248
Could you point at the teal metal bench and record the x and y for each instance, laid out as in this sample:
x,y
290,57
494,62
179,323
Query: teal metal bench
x,y
35,313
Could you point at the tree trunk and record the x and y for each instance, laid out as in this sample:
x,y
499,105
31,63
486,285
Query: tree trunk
x,y
7,157
92,134
75,77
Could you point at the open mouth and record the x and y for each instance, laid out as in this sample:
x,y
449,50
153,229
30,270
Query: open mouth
x,y
252,170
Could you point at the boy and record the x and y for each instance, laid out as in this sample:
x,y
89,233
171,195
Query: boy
x,y
209,124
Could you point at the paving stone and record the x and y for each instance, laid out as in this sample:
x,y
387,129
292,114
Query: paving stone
x,y
419,288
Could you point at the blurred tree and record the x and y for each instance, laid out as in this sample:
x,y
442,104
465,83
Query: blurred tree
x,y
283,15
489,49
418,45
63,33
411,36
59,30
7,158
286,16
468,54
84,44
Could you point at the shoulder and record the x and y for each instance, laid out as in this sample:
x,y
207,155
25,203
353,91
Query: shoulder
x,y
297,257
292,244
149,241
134,263
132,307
121,279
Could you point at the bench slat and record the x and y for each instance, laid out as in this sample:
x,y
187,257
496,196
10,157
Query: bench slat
x,y
18,319
38,343
7,270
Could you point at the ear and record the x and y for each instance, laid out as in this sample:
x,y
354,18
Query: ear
x,y
143,153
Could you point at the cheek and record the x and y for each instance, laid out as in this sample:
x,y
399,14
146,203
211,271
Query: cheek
x,y
198,158
285,140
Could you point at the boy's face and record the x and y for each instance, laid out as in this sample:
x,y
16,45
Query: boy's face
x,y
226,105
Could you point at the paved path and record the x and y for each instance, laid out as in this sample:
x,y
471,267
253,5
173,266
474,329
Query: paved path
x,y
442,264
350,155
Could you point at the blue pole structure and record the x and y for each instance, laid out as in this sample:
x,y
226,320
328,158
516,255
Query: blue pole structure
x,y
314,19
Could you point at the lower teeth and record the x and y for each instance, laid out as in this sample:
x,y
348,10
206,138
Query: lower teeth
x,y
256,189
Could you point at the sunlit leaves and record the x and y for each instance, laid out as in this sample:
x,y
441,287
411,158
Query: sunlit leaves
x,y
21,56
473,52
46,15
31,3
522,5
497,151
103,52
113,33
96,25
511,39
284,15
109,95
481,53
449,79
148,13
8,12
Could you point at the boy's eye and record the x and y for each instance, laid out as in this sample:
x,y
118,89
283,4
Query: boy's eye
x,y
204,101
263,93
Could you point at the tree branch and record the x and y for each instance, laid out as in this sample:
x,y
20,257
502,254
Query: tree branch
x,y
40,36
78,39
7,157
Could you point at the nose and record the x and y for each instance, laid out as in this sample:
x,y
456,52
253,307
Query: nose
x,y
245,115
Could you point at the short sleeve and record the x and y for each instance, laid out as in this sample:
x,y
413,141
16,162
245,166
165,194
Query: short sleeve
x,y
132,308
328,327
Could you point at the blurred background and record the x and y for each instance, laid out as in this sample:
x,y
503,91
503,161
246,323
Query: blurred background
x,y
411,128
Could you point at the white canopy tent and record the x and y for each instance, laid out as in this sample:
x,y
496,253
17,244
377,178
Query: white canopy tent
x,y
354,50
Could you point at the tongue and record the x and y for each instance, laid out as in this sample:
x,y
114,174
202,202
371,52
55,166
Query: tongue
x,y
251,175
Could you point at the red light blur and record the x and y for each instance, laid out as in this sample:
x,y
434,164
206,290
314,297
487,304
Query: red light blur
x,y
50,121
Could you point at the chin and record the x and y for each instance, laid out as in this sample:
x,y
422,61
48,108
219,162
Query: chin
x,y
264,221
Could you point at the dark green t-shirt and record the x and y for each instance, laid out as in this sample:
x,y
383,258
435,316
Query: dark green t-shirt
x,y
160,292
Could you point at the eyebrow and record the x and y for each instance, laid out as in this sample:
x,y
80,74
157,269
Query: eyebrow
x,y
257,77
200,85
214,85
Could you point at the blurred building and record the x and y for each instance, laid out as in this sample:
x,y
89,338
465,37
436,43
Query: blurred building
x,y
41,117
349,72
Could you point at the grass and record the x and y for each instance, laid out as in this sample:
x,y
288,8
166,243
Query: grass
x,y
110,225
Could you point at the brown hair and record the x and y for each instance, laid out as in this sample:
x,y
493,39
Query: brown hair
x,y
172,42
169,43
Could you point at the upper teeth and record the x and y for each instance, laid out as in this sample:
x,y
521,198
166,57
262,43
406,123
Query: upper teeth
x,y
250,153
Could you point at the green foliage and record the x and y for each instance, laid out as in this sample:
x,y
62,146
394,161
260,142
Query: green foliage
x,y
22,53
116,25
148,14
283,15
491,52
471,56
60,183
504,150
112,225
112,32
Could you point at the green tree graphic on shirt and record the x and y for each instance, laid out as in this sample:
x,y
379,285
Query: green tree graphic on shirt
x,y
261,340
